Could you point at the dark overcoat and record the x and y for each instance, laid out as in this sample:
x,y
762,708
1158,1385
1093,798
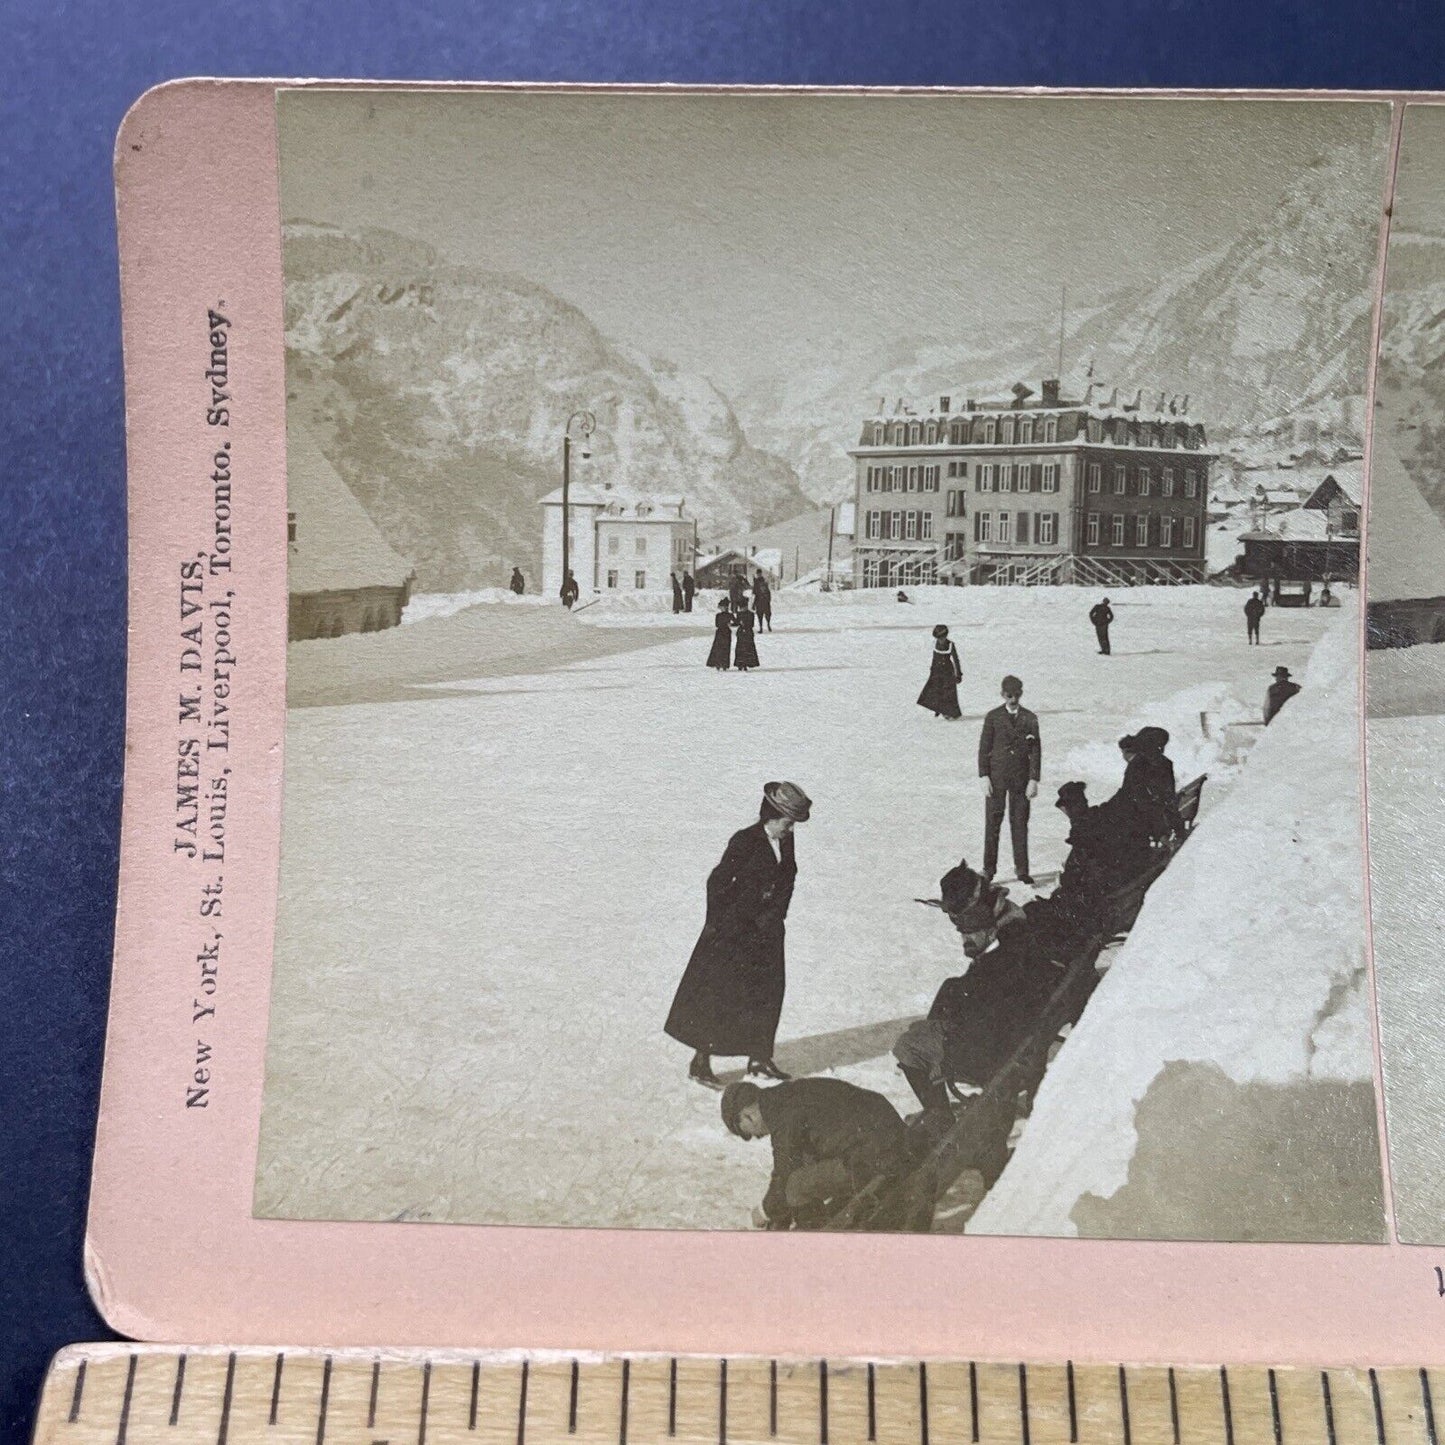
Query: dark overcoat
x,y
731,994
1009,751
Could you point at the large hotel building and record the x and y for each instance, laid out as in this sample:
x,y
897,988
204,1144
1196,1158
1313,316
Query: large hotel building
x,y
1034,489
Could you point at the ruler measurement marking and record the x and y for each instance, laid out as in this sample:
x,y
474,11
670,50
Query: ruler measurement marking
x,y
325,1398
1124,1405
226,1399
522,1408
176,1394
1024,1403
1274,1409
1329,1406
773,1398
922,1400
722,1402
375,1386
672,1396
425,1401
973,1399
1174,1405
822,1402
1228,1410
476,1381
572,1402
872,1406
276,1387
622,1421
80,1390
125,1402
1429,1408
1379,1408
1073,1405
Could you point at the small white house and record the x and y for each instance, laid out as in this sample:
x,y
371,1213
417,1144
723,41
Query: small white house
x,y
619,541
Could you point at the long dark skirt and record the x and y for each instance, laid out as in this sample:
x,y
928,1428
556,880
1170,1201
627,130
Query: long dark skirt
x,y
731,997
940,692
722,646
747,650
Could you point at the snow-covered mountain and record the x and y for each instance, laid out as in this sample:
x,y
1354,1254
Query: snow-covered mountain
x,y
440,393
1269,336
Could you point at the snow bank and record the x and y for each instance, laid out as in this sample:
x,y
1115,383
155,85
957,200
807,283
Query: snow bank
x,y
1237,1007
425,605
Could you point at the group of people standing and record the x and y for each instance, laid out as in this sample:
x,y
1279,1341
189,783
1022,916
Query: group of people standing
x,y
734,644
683,589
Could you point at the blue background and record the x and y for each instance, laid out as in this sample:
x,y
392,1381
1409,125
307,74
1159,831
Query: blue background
x,y
66,78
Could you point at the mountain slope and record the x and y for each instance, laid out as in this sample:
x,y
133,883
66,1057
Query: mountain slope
x,y
440,393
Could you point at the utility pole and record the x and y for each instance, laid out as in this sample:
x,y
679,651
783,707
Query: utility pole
x,y
587,427
1063,307
828,575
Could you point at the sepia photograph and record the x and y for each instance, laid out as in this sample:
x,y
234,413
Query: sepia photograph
x,y
823,682
1405,676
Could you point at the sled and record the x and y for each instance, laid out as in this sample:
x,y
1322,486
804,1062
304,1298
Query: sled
x,y
978,1137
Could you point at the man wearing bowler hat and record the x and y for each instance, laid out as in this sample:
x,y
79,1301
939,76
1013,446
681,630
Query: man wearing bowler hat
x,y
731,994
1009,754
1280,692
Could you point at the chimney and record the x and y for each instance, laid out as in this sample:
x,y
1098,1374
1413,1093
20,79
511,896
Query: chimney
x,y
943,402
1021,393
971,404
1050,386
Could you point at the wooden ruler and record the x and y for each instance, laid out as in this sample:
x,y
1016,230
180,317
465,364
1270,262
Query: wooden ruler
x,y
147,1394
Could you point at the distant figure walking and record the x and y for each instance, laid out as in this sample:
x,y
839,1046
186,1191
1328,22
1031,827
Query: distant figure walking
x,y
570,590
517,584
1101,615
689,586
763,601
1253,611
731,994
721,656
737,587
940,692
745,655
1280,692
676,593
1009,758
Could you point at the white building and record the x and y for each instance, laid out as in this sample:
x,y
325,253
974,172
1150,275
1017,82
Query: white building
x,y
619,541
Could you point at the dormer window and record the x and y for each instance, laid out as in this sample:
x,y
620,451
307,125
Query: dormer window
x,y
644,509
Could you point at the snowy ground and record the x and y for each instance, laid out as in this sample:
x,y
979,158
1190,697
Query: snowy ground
x,y
492,881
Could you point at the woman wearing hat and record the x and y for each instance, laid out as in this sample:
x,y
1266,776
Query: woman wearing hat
x,y
940,692
721,656
731,993
745,656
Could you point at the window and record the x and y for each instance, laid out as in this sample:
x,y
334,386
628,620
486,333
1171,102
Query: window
x,y
1051,429
1005,532
1096,477
1166,531
1116,530
989,430
878,434
1121,433
1191,483
910,526
982,527
953,469
926,526
642,546
1188,533
956,433
954,546
1026,429
1051,477
639,580
1006,475
1168,481
1144,481
933,475
931,435
612,577
1096,430
963,469
1023,537
614,545
1047,531
1006,431
895,530
980,479
1091,533
1141,530
1120,481
871,531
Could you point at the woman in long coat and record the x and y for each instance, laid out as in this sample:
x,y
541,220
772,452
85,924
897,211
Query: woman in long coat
x,y
745,657
721,655
940,692
731,994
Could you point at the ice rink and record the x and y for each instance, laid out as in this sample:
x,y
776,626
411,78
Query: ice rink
x,y
491,885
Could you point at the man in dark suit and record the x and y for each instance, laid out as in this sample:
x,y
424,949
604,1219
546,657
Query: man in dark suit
x,y
1280,692
689,586
1009,754
1101,615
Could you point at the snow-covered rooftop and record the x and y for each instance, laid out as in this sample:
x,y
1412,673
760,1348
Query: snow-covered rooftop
x,y
1097,399
630,504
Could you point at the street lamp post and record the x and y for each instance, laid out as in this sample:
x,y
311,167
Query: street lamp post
x,y
587,424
